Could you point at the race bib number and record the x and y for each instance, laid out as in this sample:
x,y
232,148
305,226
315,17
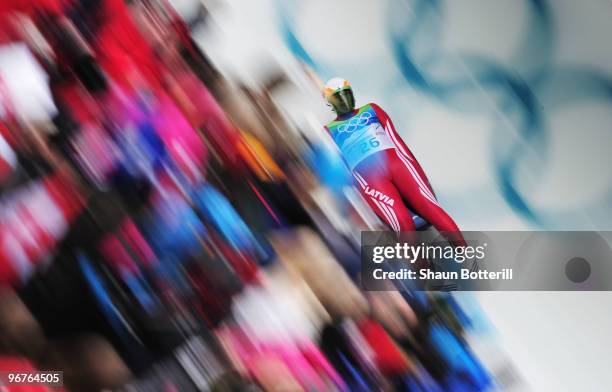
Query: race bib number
x,y
365,143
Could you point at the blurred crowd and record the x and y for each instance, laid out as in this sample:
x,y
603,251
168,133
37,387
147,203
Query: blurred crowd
x,y
163,228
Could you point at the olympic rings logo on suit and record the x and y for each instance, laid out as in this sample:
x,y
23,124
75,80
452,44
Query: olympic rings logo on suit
x,y
355,123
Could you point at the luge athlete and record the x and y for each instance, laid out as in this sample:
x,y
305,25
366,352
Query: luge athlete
x,y
389,176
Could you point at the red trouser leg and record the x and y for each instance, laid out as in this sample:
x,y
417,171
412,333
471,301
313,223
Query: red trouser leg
x,y
392,182
384,199
415,190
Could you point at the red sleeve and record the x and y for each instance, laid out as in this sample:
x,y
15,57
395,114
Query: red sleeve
x,y
386,122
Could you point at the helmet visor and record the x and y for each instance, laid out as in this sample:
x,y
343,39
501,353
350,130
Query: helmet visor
x,y
342,101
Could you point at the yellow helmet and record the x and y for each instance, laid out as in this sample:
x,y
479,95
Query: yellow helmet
x,y
339,95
